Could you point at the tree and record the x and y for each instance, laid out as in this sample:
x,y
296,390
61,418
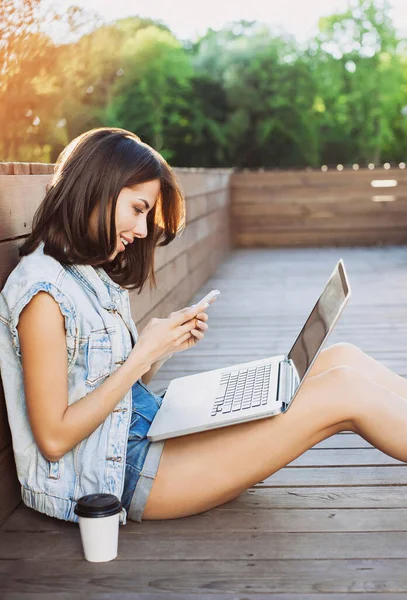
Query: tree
x,y
29,82
358,67
156,75
24,57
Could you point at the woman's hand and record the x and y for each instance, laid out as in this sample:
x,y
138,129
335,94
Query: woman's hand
x,y
163,337
197,333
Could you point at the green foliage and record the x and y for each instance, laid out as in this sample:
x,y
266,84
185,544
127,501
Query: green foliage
x,y
243,96
156,71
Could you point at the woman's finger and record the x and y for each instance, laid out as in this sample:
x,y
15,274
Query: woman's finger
x,y
198,334
184,316
201,325
202,316
184,338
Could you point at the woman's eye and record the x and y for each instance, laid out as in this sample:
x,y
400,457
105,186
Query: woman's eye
x,y
138,211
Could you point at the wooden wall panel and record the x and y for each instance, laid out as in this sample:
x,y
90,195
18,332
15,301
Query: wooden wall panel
x,y
315,208
182,267
8,258
20,196
5,436
10,494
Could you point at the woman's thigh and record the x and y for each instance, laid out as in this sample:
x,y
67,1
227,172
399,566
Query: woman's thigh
x,y
350,355
203,470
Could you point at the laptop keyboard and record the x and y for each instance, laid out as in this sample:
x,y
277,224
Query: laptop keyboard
x,y
240,390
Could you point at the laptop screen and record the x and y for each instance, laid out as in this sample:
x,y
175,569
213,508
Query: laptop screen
x,y
321,321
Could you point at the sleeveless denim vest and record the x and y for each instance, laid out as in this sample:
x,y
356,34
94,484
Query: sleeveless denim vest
x,y
99,336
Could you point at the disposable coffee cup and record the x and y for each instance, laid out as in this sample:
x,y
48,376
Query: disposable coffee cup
x,y
98,516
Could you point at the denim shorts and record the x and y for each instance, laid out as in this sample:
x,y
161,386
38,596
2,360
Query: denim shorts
x,y
143,456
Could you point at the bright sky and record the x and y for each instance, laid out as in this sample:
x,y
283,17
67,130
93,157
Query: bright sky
x,y
189,18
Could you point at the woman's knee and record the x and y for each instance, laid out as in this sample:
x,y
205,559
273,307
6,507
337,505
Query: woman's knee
x,y
342,353
343,375
336,393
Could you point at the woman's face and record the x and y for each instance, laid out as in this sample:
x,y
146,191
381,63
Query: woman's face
x,y
133,205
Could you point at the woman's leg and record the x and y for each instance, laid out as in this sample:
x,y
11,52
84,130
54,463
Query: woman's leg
x,y
203,470
352,356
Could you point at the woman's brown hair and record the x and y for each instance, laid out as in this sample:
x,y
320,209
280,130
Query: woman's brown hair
x,y
91,171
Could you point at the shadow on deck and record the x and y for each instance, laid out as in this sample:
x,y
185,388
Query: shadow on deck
x,y
332,524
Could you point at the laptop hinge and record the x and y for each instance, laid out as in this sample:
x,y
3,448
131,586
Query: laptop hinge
x,y
288,383
284,383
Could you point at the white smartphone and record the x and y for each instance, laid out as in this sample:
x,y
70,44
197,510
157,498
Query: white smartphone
x,y
208,298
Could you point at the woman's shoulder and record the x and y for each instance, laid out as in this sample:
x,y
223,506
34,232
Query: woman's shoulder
x,y
31,269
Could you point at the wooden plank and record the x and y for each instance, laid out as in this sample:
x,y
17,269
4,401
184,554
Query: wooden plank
x,y
320,222
196,182
309,177
291,209
20,168
301,195
39,168
218,199
8,258
196,576
188,596
200,251
196,207
344,457
232,517
20,196
322,238
166,254
237,546
338,476
6,168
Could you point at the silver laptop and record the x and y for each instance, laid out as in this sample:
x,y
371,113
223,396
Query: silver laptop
x,y
252,390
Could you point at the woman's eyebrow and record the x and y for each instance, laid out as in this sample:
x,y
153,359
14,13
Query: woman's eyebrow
x,y
145,202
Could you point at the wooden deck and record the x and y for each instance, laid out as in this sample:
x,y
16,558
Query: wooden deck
x,y
332,524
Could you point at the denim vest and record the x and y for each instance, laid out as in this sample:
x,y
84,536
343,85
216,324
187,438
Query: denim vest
x,y
99,336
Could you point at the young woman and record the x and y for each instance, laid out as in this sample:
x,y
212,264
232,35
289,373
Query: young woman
x,y
75,370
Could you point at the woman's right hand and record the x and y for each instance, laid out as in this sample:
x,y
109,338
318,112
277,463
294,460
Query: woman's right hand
x,y
163,337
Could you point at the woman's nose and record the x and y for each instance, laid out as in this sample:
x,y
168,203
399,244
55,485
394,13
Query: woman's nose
x,y
140,229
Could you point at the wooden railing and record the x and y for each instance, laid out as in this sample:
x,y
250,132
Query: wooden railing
x,y
181,268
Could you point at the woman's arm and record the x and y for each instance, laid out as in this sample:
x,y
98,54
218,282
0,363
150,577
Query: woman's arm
x,y
147,377
57,427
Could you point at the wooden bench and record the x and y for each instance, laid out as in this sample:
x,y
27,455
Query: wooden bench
x,y
182,267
